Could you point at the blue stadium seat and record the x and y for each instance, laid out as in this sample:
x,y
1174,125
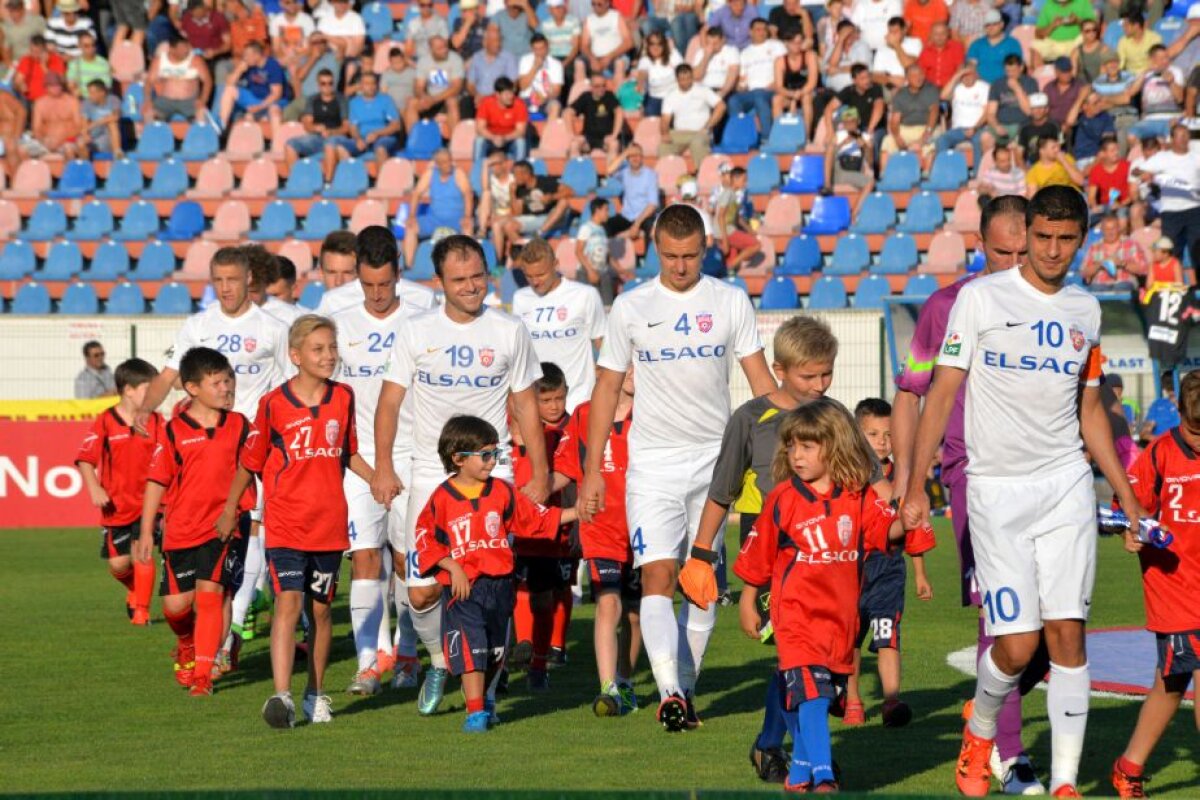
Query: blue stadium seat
x,y
139,223
323,219
738,281
131,104
901,174
740,137
539,166
580,175
651,263
805,176
921,286
714,264
31,298
779,294
827,293
1170,28
49,221
304,181
78,180
976,262
378,19
126,298
156,262
110,262
802,257
124,181
200,143
877,214
79,298
851,255
762,175
63,262
350,180
508,286
899,255
173,298
871,292
424,140
156,143
924,214
422,267
609,187
17,260
475,178
310,298
829,215
278,220
170,181
949,172
185,223
95,222
1074,278
787,136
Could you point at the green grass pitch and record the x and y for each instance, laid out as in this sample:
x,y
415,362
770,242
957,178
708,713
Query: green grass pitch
x,y
88,704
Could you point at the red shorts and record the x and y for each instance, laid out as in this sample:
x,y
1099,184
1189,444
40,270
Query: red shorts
x,y
740,240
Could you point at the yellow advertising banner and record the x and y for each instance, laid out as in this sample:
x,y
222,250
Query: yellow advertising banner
x,y
54,410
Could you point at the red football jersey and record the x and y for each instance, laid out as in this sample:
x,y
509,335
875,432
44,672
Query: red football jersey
x,y
475,533
809,548
607,535
302,452
197,466
555,434
121,457
1166,480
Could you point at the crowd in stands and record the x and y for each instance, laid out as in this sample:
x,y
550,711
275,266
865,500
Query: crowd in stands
x,y
669,100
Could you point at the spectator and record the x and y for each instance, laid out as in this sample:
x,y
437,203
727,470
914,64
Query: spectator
x,y
1003,177
923,15
898,53
442,198
246,26
500,123
968,99
317,57
871,18
206,30
1057,33
326,119
1114,85
422,28
598,118
735,19
1008,99
1038,126
1164,268
63,31
941,57
488,65
1108,187
540,78
848,158
562,32
179,83
33,70
1162,415
1115,259
848,51
1062,93
785,21
796,76
539,205
344,30
1162,94
13,118
467,38
969,20
676,18
399,82
1134,47
595,258
375,124
19,28
1088,58
102,114
1147,203
606,43
58,126
734,237
913,121
1184,52
639,195
756,77
992,50
96,378
715,63
439,84
257,87
1176,173
88,67
1092,126
517,22
867,100
689,113
1052,168
495,201
827,27
656,72
290,31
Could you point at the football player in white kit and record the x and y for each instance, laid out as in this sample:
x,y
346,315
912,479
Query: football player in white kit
x,y
349,294
264,273
1029,343
462,358
366,334
337,259
681,333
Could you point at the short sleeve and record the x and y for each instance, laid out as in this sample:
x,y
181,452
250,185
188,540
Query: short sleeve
x,y
756,560
254,452
877,518
525,367
962,335
1142,478
185,340
917,374
597,326
351,424
400,366
746,341
566,455
283,363
1092,367
617,351
93,444
533,521
733,459
429,549
162,463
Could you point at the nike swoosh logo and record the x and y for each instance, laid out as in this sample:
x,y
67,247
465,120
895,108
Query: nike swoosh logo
x,y
1076,713
354,344
432,349
997,696
205,338
1014,324
653,324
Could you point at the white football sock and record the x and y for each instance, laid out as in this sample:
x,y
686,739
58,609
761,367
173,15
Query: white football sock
x,y
366,611
255,558
695,628
406,634
385,619
991,688
1067,707
259,542
660,635
428,625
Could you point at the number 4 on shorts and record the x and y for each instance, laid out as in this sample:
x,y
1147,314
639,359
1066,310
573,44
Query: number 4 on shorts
x,y
636,542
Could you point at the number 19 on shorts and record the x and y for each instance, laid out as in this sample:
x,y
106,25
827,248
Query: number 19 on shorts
x,y
1002,605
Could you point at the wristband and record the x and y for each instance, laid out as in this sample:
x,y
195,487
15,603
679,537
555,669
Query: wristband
x,y
707,556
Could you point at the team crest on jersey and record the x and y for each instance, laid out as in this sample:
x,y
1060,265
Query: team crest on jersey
x,y
332,429
953,344
704,322
249,344
561,313
486,356
845,529
1078,340
491,524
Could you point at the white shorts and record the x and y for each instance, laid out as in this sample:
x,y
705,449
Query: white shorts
x,y
371,524
1035,548
663,507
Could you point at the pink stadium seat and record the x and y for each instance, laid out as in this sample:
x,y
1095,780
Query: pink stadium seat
x,y
708,177
985,163
462,141
287,131
564,254
395,179
32,180
1146,237
10,219
762,264
1043,76
300,254
649,136
260,180
1025,35
819,139
3,177
965,217
782,216
245,142
214,181
578,89
947,254
230,223
367,213
555,142
127,61
199,257
670,169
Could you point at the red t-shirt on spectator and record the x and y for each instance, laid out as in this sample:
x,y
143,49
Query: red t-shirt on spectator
x,y
1106,181
923,16
501,119
205,35
940,64
34,73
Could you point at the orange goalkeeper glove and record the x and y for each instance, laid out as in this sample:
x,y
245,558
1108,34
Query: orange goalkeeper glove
x,y
697,579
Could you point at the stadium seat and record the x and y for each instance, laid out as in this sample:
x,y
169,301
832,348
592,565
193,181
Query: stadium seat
x,y
261,179
304,181
508,286
31,298
323,219
278,221
79,298
310,298
128,62
123,182
782,216
901,174
976,263
670,169
185,223
299,254
64,261
17,260
899,255
802,257
424,140
10,219
651,263
708,174
555,141
714,264
78,180
947,253
394,181
350,180
829,215
489,254
462,141
110,262
805,176
366,213
199,144
648,134
965,216
378,19
475,178
230,223
580,175
132,102
949,172
48,221
32,179
762,175
173,298
95,222
139,223
826,294
126,298
871,292
920,286
740,137
851,255
779,294
565,258
156,262
924,214
245,142
422,266
877,214
155,144
198,259
279,141
170,181
740,283
1074,279
214,181
1170,28
787,136
631,285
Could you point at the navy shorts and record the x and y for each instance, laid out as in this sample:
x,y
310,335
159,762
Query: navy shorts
x,y
313,572
475,630
882,601
216,561
543,573
801,684
1178,653
607,574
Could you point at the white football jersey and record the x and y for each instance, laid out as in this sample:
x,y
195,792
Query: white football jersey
x,y
563,324
448,368
413,295
681,346
1026,352
255,343
287,313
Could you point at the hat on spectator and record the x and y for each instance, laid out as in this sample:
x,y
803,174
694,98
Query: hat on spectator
x,y
688,188
1062,64
848,113
467,5
1194,11
1164,243
555,3
68,6
725,168
992,17
1038,100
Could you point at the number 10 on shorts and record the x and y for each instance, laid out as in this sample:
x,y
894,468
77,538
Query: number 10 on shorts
x,y
1003,605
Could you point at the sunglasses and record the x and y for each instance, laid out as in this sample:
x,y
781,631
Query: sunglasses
x,y
486,455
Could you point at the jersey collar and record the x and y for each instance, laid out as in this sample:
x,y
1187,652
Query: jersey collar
x,y
457,495
190,421
1183,445
809,494
295,401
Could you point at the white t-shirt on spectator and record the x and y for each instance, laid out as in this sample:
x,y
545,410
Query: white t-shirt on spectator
x,y
280,23
690,110
660,77
887,62
871,19
1179,178
757,63
349,25
967,104
551,74
717,73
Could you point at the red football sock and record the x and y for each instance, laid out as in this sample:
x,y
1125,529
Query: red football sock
x,y
182,624
543,631
564,601
474,704
523,616
143,584
210,620
1128,767
126,578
